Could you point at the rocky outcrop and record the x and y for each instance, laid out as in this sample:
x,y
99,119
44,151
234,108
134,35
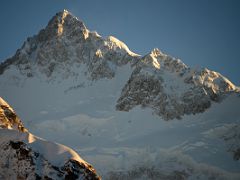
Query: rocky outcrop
x,y
24,156
19,161
8,118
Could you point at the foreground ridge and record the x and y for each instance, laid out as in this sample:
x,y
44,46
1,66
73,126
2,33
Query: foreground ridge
x,y
25,156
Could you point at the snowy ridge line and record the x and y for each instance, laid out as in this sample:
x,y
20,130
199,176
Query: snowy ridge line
x,y
39,158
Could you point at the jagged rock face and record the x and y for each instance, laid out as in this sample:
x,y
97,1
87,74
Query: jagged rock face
x,y
19,161
170,88
8,118
66,43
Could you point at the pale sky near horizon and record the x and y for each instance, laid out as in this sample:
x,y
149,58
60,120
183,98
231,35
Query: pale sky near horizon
x,y
202,33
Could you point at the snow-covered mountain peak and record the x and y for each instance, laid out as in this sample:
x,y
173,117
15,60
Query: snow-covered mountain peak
x,y
65,24
171,88
64,13
65,44
116,43
157,52
212,80
150,60
156,59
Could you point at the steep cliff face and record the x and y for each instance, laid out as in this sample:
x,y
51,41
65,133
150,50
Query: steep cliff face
x,y
25,156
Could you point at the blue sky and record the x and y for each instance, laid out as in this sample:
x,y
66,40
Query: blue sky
x,y
202,33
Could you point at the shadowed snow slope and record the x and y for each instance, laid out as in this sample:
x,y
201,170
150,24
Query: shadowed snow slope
x,y
131,116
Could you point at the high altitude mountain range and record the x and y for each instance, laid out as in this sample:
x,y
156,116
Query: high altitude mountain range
x,y
131,116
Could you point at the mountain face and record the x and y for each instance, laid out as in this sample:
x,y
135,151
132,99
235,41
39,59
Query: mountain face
x,y
171,88
25,156
158,81
66,43
72,86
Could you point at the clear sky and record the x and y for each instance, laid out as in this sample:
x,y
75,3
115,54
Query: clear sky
x,y
202,33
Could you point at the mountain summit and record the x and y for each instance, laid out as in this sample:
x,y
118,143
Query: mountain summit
x,y
63,24
66,43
